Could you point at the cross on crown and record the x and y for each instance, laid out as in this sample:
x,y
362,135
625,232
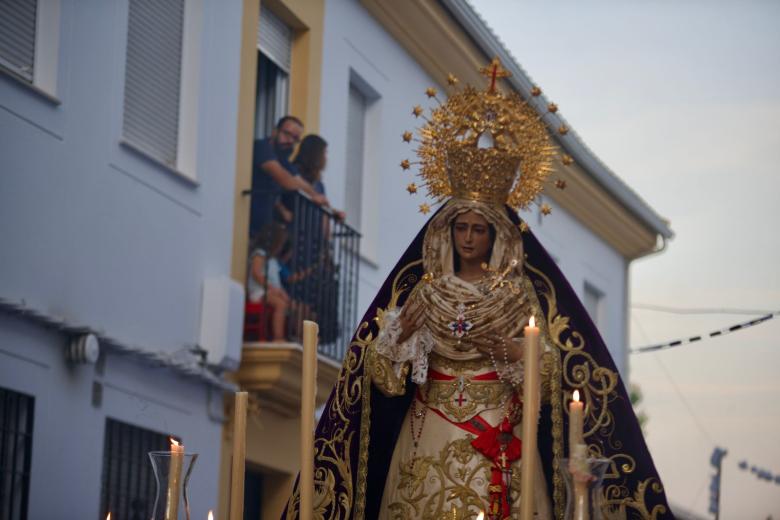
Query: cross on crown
x,y
493,71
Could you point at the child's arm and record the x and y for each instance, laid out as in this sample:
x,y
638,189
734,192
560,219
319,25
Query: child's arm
x,y
258,268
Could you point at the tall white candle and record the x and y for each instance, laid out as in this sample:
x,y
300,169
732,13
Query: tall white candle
x,y
578,457
174,481
308,399
239,457
531,390
576,419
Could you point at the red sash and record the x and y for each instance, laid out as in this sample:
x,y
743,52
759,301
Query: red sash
x,y
497,443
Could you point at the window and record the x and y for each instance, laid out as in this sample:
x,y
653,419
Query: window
x,y
593,301
16,429
29,39
127,483
153,77
274,42
272,96
356,125
17,37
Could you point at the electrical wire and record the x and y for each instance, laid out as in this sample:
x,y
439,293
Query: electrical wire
x,y
700,337
699,310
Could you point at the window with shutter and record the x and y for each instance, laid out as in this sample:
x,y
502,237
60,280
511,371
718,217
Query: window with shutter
x,y
274,43
153,77
17,37
356,124
274,39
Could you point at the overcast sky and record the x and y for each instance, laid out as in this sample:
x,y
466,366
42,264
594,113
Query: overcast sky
x,y
682,100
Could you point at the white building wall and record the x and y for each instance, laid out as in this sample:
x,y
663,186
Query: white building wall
x,y
586,258
356,46
93,231
98,235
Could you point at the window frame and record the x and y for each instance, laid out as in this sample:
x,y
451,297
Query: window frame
x,y
590,289
369,208
185,165
45,53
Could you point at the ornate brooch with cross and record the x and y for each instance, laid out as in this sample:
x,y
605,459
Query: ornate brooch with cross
x,y
461,326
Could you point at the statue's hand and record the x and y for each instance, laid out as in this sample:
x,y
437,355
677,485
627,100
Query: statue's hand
x,y
412,318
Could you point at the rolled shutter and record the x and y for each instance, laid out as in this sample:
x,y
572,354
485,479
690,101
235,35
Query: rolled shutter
x,y
17,36
274,39
153,76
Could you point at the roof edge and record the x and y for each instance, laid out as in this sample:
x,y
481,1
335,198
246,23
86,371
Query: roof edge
x,y
491,45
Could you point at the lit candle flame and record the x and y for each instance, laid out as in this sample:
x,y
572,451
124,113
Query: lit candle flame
x,y
532,322
576,396
174,442
108,516
211,515
481,516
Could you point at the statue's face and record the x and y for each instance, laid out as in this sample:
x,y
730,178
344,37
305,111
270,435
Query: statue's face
x,y
471,234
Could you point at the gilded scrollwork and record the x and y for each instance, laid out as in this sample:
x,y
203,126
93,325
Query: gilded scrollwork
x,y
428,484
597,385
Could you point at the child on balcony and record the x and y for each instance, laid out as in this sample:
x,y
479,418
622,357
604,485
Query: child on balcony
x,y
264,280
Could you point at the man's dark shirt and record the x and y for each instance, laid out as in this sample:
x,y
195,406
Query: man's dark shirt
x,y
265,190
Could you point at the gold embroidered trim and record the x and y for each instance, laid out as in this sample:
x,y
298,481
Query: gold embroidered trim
x,y
459,366
383,376
402,282
462,398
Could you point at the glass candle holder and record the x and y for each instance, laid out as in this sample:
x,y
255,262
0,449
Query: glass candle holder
x,y
583,491
172,473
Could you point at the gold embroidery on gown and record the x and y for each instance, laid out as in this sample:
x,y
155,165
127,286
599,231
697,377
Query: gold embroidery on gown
x,y
446,471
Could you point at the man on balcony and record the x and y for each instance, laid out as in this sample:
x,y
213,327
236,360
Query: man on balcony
x,y
272,173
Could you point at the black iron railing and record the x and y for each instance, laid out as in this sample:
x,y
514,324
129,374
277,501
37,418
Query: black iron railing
x,y
319,258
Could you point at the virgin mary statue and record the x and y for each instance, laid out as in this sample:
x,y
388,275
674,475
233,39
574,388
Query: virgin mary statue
x,y
424,420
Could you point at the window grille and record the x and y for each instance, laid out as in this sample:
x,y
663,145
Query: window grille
x,y
153,77
17,36
16,430
127,484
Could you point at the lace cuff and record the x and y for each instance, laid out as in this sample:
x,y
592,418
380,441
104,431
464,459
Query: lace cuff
x,y
414,350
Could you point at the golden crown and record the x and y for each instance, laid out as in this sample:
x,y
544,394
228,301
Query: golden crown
x,y
476,143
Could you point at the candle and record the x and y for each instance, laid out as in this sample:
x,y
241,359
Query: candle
x,y
211,515
239,457
531,391
174,481
576,409
481,516
578,457
308,398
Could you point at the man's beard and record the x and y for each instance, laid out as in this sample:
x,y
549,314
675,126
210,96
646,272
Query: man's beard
x,y
283,152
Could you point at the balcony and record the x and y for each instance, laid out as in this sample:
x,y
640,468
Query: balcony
x,y
317,256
